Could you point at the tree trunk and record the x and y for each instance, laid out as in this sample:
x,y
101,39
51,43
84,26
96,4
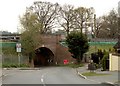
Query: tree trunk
x,y
81,57
67,32
78,59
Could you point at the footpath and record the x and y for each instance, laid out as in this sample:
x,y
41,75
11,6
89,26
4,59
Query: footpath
x,y
111,77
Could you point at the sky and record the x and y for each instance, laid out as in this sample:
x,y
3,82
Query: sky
x,y
10,10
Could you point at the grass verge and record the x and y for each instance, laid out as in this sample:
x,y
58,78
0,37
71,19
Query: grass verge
x,y
71,65
94,74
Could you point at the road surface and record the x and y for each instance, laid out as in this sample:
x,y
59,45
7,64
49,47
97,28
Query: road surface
x,y
45,76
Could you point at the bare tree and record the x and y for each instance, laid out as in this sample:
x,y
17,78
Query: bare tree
x,y
46,13
109,25
66,16
112,21
98,26
82,16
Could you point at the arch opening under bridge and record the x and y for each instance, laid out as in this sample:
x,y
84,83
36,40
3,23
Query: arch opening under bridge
x,y
44,57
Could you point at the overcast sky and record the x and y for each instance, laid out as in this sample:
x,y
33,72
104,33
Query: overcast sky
x,y
11,9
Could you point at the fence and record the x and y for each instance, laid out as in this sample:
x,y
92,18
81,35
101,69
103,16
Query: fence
x,y
14,59
102,43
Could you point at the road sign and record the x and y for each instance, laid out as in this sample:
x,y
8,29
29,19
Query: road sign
x,y
18,47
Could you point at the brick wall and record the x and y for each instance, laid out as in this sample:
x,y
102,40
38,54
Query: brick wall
x,y
60,52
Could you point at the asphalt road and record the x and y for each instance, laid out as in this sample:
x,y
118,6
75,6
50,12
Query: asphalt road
x,y
45,76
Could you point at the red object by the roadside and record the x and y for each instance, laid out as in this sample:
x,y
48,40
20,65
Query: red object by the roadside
x,y
66,61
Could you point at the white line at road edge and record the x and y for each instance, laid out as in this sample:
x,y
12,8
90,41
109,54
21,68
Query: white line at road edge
x,y
82,75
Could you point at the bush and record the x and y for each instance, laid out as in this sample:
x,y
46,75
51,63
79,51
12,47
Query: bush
x,y
77,44
97,56
97,66
9,65
75,65
104,59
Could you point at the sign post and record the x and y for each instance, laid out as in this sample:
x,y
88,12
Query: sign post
x,y
18,50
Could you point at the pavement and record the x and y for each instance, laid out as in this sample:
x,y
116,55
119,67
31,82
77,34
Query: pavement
x,y
111,77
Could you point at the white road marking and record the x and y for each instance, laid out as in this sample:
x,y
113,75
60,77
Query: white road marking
x,y
42,80
87,78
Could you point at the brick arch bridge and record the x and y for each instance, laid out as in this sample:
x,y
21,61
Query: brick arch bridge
x,y
51,52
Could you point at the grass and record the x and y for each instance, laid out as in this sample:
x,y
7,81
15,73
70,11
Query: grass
x,y
93,74
71,65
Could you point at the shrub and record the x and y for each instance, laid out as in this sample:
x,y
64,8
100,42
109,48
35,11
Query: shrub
x,y
12,65
104,59
77,44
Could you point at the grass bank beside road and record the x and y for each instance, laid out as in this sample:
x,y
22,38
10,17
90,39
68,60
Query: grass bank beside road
x,y
94,74
71,65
